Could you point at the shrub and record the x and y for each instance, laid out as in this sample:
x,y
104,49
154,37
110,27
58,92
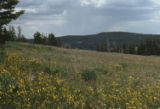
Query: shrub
x,y
89,75
53,70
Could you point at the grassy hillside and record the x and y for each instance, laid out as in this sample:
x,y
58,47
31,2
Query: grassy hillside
x,y
90,42
49,77
79,60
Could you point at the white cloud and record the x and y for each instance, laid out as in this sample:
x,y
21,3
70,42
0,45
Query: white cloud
x,y
156,1
27,10
96,3
88,16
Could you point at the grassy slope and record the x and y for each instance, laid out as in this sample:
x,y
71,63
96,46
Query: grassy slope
x,y
130,78
79,60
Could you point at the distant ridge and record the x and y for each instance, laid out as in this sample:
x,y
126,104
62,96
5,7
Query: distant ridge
x,y
90,42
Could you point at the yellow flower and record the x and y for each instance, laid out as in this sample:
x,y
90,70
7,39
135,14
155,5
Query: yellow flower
x,y
155,98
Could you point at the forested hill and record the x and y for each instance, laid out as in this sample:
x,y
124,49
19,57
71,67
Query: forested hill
x,y
90,42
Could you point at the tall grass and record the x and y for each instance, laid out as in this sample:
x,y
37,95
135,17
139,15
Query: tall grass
x,y
35,76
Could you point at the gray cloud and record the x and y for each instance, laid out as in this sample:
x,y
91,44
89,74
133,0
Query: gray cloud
x,y
64,17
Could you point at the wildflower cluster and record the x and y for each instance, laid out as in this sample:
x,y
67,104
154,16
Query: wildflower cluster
x,y
22,86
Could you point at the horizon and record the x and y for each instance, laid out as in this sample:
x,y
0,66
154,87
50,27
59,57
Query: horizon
x,y
76,35
111,32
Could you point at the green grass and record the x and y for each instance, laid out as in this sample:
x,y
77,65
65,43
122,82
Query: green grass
x,y
118,79
79,60
75,61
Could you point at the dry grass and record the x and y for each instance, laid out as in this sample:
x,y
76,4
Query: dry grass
x,y
122,81
78,60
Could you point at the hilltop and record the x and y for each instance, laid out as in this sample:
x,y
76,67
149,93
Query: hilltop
x,y
90,42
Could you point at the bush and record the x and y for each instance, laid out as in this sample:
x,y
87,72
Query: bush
x,y
53,70
89,75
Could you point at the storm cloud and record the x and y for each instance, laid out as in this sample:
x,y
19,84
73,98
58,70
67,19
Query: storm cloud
x,y
64,17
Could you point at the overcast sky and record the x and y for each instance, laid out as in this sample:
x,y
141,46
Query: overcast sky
x,y
78,17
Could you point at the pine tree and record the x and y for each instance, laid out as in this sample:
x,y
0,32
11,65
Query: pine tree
x,y
52,40
115,47
44,39
19,35
132,49
12,33
23,39
107,46
59,42
98,48
142,49
7,14
125,48
37,38
7,11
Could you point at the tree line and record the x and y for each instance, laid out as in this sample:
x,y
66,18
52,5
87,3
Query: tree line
x,y
46,40
39,38
10,34
147,47
7,14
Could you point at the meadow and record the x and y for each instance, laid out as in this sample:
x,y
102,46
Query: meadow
x,y
44,77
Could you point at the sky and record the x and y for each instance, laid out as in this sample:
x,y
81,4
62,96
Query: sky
x,y
80,17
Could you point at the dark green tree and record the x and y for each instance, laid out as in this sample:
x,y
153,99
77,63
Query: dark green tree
x,y
12,33
142,49
7,14
125,48
98,47
59,42
148,45
52,40
22,39
19,35
132,49
37,38
158,47
152,46
107,46
44,39
102,47
115,47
